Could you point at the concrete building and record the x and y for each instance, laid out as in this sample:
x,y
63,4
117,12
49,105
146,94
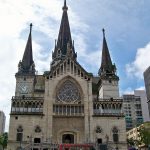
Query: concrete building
x,y
147,85
135,108
144,104
134,133
132,109
66,104
2,122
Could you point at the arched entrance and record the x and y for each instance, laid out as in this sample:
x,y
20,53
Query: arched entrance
x,y
68,138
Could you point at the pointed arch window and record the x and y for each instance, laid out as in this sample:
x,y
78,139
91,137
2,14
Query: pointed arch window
x,y
68,92
115,134
19,134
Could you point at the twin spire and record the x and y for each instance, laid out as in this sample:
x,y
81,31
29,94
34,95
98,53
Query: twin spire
x,y
106,62
64,47
26,66
107,69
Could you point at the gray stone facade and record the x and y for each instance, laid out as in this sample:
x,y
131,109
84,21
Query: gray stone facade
x,y
66,104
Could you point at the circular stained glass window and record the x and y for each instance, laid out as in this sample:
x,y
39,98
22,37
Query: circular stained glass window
x,y
68,92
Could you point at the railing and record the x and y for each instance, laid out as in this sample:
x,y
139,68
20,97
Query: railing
x,y
26,98
27,105
107,100
68,110
44,145
26,113
107,112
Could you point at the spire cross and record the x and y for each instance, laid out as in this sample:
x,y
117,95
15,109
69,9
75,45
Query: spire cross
x,y
55,43
103,32
31,27
65,5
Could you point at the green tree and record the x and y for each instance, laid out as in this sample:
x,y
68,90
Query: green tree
x,y
144,135
131,142
4,140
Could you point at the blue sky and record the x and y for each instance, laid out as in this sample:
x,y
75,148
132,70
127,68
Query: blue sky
x,y
127,25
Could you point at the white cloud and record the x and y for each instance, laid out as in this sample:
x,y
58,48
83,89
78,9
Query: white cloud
x,y
140,64
140,88
45,16
129,90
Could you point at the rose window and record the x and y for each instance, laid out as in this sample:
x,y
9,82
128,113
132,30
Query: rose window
x,y
68,92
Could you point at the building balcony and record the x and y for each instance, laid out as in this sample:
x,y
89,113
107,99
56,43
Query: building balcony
x,y
109,100
68,110
26,111
107,107
108,113
16,98
27,105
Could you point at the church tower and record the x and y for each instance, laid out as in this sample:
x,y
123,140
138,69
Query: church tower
x,y
108,79
25,77
66,104
67,98
64,46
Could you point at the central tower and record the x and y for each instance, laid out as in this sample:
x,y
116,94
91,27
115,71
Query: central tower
x,y
64,46
67,99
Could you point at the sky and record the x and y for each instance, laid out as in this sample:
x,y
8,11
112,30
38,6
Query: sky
x,y
127,29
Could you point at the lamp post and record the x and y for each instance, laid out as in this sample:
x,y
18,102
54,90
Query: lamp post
x,y
20,140
30,141
107,140
20,144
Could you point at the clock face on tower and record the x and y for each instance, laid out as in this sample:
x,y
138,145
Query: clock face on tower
x,y
23,88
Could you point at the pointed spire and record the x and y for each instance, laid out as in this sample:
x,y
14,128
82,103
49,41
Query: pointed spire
x,y
27,57
107,67
27,63
64,36
106,59
55,43
65,6
103,32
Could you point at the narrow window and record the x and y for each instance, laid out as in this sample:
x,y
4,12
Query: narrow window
x,y
115,135
19,136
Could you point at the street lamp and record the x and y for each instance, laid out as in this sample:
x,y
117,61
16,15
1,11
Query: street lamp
x,y
20,144
21,141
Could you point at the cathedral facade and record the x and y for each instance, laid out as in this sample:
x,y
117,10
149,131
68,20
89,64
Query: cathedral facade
x,y
66,104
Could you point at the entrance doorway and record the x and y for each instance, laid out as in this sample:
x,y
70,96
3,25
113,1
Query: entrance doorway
x,y
68,138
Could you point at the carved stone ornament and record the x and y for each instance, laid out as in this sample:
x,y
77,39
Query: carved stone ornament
x,y
37,129
68,92
98,129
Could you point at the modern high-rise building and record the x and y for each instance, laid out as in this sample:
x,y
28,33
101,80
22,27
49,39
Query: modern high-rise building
x,y
147,85
144,104
66,104
2,122
135,109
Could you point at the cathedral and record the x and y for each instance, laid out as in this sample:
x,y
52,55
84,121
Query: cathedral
x,y
66,104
